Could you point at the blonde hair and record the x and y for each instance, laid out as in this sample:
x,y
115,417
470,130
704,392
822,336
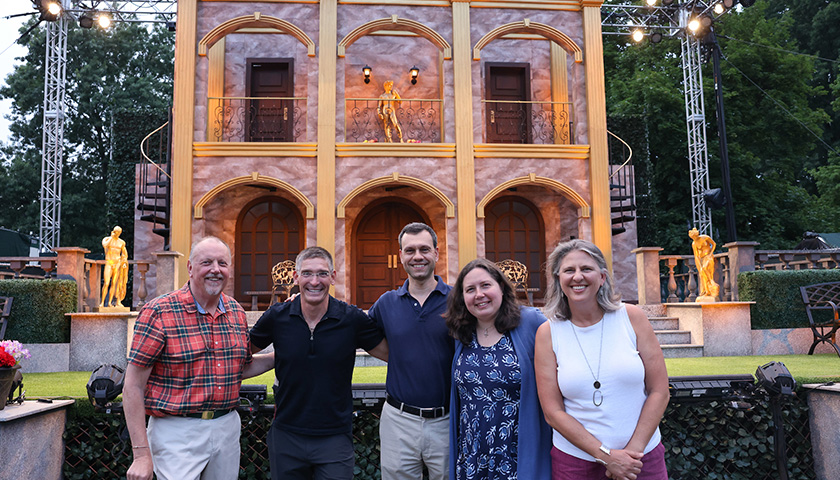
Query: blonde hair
x,y
556,303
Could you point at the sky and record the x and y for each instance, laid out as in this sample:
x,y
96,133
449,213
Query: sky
x,y
10,50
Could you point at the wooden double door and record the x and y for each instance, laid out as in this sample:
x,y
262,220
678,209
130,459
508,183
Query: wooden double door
x,y
377,266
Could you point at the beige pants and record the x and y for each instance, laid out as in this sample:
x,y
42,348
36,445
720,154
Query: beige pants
x,y
186,448
408,441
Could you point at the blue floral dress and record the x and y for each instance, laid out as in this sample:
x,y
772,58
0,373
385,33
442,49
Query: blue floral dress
x,y
488,380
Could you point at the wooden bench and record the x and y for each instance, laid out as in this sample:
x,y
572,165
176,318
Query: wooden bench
x,y
822,296
5,312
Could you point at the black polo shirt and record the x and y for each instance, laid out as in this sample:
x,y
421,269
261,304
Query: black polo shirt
x,y
315,370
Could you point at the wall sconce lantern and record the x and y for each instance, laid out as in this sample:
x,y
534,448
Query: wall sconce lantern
x,y
414,71
366,71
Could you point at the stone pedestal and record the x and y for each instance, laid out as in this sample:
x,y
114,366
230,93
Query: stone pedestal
x,y
647,275
741,258
166,275
32,445
97,338
723,328
824,417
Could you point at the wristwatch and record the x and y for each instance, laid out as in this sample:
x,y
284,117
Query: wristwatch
x,y
604,449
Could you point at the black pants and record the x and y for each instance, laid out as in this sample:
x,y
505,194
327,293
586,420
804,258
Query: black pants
x,y
310,457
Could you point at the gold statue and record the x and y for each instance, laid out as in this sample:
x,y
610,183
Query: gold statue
x,y
115,274
704,248
386,108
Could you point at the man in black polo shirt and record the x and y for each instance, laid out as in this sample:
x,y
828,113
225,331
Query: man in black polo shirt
x,y
315,338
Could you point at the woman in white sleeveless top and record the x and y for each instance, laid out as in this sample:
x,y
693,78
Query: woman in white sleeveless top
x,y
600,374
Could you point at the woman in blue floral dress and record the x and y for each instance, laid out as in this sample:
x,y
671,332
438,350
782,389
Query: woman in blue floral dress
x,y
497,429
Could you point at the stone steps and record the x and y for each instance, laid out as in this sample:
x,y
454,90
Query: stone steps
x,y
675,343
682,351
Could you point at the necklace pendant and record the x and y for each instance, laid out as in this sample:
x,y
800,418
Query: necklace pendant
x,y
597,398
597,385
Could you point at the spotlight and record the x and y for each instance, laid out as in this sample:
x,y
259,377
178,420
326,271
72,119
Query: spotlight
x,y
655,37
366,71
775,378
170,26
414,71
50,9
747,3
650,3
105,385
719,8
694,25
706,22
104,21
728,3
86,20
638,35
665,3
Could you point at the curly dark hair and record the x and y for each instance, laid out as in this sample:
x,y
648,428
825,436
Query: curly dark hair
x,y
461,322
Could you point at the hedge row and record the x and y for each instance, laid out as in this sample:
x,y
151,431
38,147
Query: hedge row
x,y
778,303
702,441
38,309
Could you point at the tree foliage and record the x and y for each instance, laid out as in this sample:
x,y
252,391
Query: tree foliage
x,y
779,118
128,68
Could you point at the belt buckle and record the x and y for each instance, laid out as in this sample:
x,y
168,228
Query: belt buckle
x,y
207,415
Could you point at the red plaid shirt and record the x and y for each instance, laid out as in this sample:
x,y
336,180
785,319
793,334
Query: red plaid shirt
x,y
196,359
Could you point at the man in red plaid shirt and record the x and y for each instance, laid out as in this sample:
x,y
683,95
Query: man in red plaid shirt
x,y
188,357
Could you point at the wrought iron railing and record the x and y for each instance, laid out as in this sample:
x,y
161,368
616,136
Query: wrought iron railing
x,y
543,123
418,119
256,119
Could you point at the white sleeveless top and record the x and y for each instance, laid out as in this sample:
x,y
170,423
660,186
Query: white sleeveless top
x,y
622,379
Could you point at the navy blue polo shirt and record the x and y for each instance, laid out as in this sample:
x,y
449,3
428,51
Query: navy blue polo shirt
x,y
315,371
420,349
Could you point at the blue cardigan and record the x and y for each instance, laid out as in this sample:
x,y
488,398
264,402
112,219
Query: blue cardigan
x,y
534,455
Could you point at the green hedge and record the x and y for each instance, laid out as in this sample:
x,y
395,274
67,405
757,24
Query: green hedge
x,y
778,303
703,440
38,309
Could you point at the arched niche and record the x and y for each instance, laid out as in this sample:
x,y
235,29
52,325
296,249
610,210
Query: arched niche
x,y
255,21
533,179
396,178
254,178
527,26
399,24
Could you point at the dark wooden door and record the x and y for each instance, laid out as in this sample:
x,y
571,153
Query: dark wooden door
x,y
268,231
507,121
514,229
270,120
377,262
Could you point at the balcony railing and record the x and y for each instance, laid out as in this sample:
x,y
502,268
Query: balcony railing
x,y
543,123
256,119
418,118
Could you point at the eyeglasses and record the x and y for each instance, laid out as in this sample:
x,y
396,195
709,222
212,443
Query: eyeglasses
x,y
308,274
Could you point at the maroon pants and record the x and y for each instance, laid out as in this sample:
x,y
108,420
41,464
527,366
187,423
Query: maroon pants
x,y
567,467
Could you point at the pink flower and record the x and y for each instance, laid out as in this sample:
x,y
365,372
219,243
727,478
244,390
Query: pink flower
x,y
12,352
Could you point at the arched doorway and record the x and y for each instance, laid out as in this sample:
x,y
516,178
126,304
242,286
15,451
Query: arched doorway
x,y
376,262
268,230
514,229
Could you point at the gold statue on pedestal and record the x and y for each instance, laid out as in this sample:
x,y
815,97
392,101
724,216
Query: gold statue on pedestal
x,y
704,249
115,273
386,108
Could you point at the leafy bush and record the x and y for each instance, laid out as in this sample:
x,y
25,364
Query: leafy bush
x,y
778,303
39,308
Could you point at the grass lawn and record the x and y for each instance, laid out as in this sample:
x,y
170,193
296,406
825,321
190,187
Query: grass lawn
x,y
804,368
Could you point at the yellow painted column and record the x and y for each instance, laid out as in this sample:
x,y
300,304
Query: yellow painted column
x,y
215,87
464,158
596,112
182,134
325,206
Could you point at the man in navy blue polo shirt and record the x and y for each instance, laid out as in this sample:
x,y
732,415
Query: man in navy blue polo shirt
x,y
315,338
414,427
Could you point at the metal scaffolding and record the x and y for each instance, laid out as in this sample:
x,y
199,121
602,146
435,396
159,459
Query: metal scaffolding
x,y
55,76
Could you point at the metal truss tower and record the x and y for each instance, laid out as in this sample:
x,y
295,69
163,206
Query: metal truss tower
x,y
55,100
672,21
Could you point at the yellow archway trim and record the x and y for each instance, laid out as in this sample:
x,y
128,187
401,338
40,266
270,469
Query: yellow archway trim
x,y
398,24
527,26
255,21
403,180
533,179
255,177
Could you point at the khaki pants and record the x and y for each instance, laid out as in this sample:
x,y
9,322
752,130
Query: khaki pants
x,y
408,441
186,448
